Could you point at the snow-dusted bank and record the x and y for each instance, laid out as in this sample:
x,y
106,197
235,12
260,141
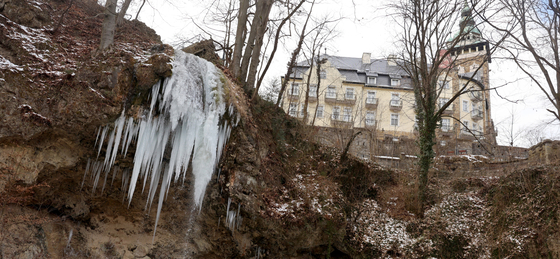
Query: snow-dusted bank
x,y
188,117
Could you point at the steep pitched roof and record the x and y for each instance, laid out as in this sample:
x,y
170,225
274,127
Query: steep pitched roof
x,y
377,66
357,72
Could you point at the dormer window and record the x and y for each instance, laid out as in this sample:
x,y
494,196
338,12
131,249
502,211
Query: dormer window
x,y
395,82
372,80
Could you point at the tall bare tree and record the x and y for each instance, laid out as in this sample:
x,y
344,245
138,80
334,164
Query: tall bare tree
x,y
277,40
240,36
122,12
427,56
109,24
532,28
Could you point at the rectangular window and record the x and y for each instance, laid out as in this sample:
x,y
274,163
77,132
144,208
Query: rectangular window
x,y
395,99
465,126
349,94
295,89
445,125
466,106
371,97
331,92
443,84
372,80
370,118
395,82
474,127
323,74
335,113
347,116
320,110
442,102
313,90
394,119
302,110
293,109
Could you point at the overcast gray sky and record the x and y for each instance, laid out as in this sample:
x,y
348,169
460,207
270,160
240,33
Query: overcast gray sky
x,y
367,28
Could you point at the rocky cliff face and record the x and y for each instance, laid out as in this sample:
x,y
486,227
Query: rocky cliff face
x,y
276,194
57,90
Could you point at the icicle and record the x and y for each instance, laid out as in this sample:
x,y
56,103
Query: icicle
x,y
103,134
114,173
69,238
85,173
105,181
233,219
97,137
184,117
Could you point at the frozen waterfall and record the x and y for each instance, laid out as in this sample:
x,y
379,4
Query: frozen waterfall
x,y
187,118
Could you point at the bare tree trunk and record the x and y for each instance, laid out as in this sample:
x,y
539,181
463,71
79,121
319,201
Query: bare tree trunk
x,y
240,35
344,155
306,102
292,63
227,48
276,40
61,19
109,25
122,13
139,9
250,45
261,20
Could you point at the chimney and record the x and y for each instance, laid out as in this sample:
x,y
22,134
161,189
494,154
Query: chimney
x,y
392,60
366,58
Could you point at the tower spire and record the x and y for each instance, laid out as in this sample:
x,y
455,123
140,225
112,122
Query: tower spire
x,y
468,32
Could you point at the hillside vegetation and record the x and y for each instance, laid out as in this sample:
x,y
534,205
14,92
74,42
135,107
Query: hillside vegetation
x,y
276,193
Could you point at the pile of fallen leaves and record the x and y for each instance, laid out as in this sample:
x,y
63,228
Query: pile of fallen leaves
x,y
53,50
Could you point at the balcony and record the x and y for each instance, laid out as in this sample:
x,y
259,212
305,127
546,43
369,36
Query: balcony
x,y
312,98
337,99
330,98
395,105
465,134
371,103
293,95
370,123
476,96
447,131
448,110
476,114
349,98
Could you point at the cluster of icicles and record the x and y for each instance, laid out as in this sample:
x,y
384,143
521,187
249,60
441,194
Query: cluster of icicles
x,y
188,118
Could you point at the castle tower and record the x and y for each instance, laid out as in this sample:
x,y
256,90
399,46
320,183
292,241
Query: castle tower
x,y
472,57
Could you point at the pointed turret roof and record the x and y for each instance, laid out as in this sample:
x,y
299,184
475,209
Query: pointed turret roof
x,y
467,28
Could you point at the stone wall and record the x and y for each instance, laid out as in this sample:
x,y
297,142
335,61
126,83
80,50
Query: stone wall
x,y
368,144
546,152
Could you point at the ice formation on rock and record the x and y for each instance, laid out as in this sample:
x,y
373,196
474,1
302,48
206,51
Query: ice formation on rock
x,y
188,117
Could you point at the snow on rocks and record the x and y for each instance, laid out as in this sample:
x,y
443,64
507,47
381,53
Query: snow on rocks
x,y
460,215
314,193
5,64
376,230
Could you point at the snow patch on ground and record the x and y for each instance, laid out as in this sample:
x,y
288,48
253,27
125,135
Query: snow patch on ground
x,y
375,229
314,193
5,64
